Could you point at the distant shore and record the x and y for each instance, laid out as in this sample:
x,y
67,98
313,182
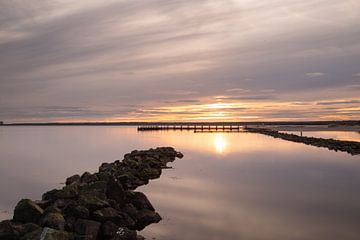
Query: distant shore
x,y
308,128
353,125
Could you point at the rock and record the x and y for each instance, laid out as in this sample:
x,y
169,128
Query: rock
x,y
12,230
53,234
68,192
110,214
140,201
145,218
53,220
88,177
87,229
27,211
73,179
43,203
115,191
150,173
76,210
92,202
97,188
110,230
50,195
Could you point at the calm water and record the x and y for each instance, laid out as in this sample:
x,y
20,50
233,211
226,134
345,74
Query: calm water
x,y
339,135
228,185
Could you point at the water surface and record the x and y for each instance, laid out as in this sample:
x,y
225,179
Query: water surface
x,y
339,135
228,185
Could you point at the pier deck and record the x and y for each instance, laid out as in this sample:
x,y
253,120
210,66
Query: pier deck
x,y
195,128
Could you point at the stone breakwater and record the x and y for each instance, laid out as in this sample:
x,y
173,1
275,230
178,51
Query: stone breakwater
x,y
99,206
350,147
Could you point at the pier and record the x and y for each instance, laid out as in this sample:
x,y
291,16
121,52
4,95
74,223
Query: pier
x,y
197,128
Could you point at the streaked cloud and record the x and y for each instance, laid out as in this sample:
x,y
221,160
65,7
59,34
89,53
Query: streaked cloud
x,y
94,58
315,74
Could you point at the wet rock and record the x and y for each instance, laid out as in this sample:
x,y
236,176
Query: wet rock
x,y
27,211
73,179
87,229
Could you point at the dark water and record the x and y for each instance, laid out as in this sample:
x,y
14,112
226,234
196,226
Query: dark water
x,y
228,185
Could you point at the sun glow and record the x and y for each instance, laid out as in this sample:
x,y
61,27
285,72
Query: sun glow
x,y
220,143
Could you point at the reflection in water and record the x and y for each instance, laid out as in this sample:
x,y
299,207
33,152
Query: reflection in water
x,y
219,143
266,189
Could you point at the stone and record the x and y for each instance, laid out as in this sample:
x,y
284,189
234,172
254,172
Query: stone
x,y
88,177
53,234
115,191
53,220
110,214
92,202
50,195
140,201
87,229
76,210
73,179
13,230
145,218
110,230
27,211
68,192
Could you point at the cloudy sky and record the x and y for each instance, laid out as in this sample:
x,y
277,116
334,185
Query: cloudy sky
x,y
124,60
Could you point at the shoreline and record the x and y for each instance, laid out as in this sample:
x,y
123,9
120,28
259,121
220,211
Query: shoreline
x,y
351,147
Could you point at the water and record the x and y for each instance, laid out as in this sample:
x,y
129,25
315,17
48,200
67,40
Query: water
x,y
228,185
339,135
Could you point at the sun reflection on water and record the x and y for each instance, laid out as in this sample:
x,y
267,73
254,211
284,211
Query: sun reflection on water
x,y
220,143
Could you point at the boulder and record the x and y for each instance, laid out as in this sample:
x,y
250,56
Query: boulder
x,y
87,229
115,191
13,230
27,211
110,214
53,220
53,234
72,179
88,178
146,217
111,231
140,201
92,202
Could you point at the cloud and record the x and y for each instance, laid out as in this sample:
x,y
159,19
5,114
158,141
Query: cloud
x,y
315,74
339,102
98,55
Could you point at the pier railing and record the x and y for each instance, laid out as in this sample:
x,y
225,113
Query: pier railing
x,y
195,128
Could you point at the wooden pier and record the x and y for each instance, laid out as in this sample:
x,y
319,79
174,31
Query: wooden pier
x,y
197,128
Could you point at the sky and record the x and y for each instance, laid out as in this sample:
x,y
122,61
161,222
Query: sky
x,y
179,60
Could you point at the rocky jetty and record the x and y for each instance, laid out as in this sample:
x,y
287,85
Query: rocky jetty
x,y
350,147
99,206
